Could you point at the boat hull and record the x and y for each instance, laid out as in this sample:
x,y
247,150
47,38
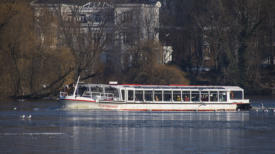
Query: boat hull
x,y
127,106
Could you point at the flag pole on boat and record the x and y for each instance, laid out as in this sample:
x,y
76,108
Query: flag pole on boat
x,y
75,88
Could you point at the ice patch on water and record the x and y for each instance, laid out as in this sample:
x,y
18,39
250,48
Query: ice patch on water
x,y
31,134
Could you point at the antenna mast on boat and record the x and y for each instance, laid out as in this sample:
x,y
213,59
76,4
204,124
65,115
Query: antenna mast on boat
x,y
75,88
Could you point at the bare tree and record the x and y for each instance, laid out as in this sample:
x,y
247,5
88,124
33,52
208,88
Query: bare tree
x,y
85,35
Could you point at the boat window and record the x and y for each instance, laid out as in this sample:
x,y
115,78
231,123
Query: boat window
x,y
123,94
176,96
167,95
186,96
222,96
213,96
149,95
111,90
96,89
158,96
130,95
82,90
236,95
195,96
139,95
204,96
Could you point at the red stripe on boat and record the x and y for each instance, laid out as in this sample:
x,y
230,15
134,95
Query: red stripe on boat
x,y
159,85
170,110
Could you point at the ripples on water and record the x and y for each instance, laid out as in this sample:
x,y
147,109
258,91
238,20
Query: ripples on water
x,y
54,130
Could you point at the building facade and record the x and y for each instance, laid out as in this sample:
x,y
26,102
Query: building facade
x,y
117,27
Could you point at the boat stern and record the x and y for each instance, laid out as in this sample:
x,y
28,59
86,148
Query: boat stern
x,y
244,105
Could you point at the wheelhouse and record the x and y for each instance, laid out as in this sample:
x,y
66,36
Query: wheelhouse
x,y
98,92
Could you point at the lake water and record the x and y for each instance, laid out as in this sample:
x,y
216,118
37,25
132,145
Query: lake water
x,y
54,130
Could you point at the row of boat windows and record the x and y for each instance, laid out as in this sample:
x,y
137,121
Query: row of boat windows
x,y
162,95
178,96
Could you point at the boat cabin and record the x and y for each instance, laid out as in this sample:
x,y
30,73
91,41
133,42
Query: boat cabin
x,y
161,94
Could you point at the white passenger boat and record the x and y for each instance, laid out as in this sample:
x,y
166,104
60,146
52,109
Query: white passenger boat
x,y
136,97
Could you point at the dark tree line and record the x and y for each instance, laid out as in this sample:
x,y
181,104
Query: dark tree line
x,y
235,38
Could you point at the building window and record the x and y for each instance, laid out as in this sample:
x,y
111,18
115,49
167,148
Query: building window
x,y
83,18
98,18
126,37
127,17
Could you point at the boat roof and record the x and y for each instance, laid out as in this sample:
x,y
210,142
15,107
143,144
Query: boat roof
x,y
172,86
82,2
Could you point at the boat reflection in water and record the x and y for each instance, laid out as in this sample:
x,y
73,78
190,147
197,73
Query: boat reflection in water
x,y
161,132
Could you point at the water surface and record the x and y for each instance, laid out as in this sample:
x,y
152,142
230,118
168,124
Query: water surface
x,y
54,130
